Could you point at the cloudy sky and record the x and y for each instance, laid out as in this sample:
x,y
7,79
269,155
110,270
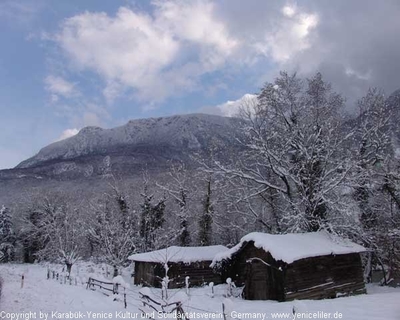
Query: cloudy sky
x,y
69,64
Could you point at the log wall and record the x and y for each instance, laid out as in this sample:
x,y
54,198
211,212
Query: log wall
x,y
261,277
199,273
312,278
324,277
148,274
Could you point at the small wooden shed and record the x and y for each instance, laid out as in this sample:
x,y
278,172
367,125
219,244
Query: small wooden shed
x,y
285,267
182,262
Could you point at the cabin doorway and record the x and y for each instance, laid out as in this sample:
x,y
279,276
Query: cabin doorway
x,y
263,282
256,284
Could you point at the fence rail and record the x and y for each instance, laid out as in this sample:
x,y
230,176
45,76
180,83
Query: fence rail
x,y
151,303
108,286
141,301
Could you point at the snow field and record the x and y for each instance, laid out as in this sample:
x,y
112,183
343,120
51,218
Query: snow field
x,y
40,297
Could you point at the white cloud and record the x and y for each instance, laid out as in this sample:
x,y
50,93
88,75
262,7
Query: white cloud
x,y
233,108
167,52
67,134
195,22
127,49
112,90
289,11
289,36
361,76
174,47
155,55
58,86
54,98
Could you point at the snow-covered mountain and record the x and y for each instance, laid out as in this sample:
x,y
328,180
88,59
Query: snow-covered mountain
x,y
184,134
143,144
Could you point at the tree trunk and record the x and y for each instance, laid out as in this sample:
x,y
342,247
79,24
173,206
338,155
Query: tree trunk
x,y
69,267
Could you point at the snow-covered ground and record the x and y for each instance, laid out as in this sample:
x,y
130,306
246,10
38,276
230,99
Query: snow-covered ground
x,y
39,297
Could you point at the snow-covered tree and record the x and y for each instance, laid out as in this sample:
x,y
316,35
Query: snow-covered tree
x,y
151,219
375,180
206,218
178,189
56,229
7,236
294,148
373,150
112,229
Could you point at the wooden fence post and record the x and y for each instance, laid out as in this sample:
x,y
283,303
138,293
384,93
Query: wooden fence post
x,y
187,283
115,288
223,311
230,286
88,284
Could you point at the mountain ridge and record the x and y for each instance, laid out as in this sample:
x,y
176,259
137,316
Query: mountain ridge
x,y
191,131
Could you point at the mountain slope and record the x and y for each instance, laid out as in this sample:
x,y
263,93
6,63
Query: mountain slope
x,y
180,134
79,164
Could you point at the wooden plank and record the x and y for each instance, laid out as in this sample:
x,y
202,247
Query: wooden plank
x,y
330,291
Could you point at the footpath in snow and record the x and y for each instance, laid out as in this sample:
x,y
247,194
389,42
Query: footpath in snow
x,y
40,298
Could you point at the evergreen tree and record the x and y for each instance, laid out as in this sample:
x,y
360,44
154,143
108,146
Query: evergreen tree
x,y
184,237
7,236
32,233
152,219
178,189
205,222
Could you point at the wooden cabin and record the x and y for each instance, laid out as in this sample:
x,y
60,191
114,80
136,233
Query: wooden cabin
x,y
313,265
182,262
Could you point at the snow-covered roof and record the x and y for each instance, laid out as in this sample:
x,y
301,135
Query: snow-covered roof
x,y
179,254
294,246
